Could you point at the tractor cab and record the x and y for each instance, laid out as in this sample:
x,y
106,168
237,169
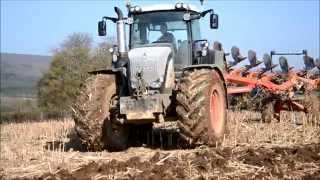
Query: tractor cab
x,y
175,25
169,38
164,40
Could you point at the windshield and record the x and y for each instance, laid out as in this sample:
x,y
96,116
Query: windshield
x,y
158,27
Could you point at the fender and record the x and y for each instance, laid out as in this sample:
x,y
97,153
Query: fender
x,y
205,66
121,78
116,71
208,66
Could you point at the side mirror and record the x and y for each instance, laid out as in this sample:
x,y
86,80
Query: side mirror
x,y
214,21
305,52
102,28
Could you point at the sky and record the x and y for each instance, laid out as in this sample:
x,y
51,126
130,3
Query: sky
x,y
38,26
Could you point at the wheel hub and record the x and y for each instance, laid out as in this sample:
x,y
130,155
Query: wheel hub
x,y
216,109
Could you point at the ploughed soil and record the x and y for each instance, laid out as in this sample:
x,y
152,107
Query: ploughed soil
x,y
205,163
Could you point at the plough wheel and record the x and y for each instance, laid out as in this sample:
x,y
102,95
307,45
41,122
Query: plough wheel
x,y
271,112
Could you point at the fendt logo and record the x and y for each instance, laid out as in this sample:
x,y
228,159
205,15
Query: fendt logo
x,y
144,56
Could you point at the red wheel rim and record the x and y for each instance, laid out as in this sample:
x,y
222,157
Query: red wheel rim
x,y
216,109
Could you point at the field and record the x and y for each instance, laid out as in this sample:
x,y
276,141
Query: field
x,y
252,150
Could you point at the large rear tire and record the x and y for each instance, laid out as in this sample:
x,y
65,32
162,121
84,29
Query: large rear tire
x,y
202,107
94,114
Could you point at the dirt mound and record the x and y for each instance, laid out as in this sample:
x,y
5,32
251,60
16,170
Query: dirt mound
x,y
203,163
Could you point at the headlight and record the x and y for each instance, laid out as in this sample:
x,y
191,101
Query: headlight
x,y
114,58
137,9
179,5
157,83
204,52
185,6
206,44
182,6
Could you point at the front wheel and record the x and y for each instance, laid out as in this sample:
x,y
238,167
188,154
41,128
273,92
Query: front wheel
x,y
95,113
202,107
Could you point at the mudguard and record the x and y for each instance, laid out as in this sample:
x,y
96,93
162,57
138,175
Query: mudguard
x,y
107,71
121,78
206,66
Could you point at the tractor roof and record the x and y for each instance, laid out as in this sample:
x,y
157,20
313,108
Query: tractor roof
x,y
166,7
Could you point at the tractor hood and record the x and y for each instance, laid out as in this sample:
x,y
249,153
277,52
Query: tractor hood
x,y
154,62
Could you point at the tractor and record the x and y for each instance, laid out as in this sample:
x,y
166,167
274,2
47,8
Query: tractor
x,y
165,71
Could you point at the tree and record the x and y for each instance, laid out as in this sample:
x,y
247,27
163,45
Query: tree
x,y
101,57
58,87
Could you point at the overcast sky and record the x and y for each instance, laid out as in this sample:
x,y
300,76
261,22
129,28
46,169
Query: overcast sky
x,y
36,27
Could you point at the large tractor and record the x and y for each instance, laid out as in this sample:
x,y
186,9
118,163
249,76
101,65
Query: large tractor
x,y
167,72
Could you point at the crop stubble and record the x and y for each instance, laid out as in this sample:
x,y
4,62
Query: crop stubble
x,y
252,150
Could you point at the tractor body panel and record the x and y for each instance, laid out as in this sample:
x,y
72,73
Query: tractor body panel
x,y
155,62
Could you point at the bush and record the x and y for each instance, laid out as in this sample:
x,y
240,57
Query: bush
x,y
58,88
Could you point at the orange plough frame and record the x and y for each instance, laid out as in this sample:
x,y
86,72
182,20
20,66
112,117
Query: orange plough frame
x,y
242,84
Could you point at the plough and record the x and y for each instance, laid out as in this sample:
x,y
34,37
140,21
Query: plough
x,y
271,91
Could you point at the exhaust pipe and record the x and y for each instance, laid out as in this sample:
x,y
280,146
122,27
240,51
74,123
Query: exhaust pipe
x,y
121,34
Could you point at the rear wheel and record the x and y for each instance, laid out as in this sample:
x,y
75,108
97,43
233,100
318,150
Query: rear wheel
x,y
202,107
95,114
271,111
267,114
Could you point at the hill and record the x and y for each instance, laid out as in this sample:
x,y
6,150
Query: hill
x,y
20,73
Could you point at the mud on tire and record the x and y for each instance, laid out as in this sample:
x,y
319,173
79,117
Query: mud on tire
x,y
94,112
202,107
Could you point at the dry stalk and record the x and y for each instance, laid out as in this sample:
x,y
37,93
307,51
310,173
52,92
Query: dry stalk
x,y
31,148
